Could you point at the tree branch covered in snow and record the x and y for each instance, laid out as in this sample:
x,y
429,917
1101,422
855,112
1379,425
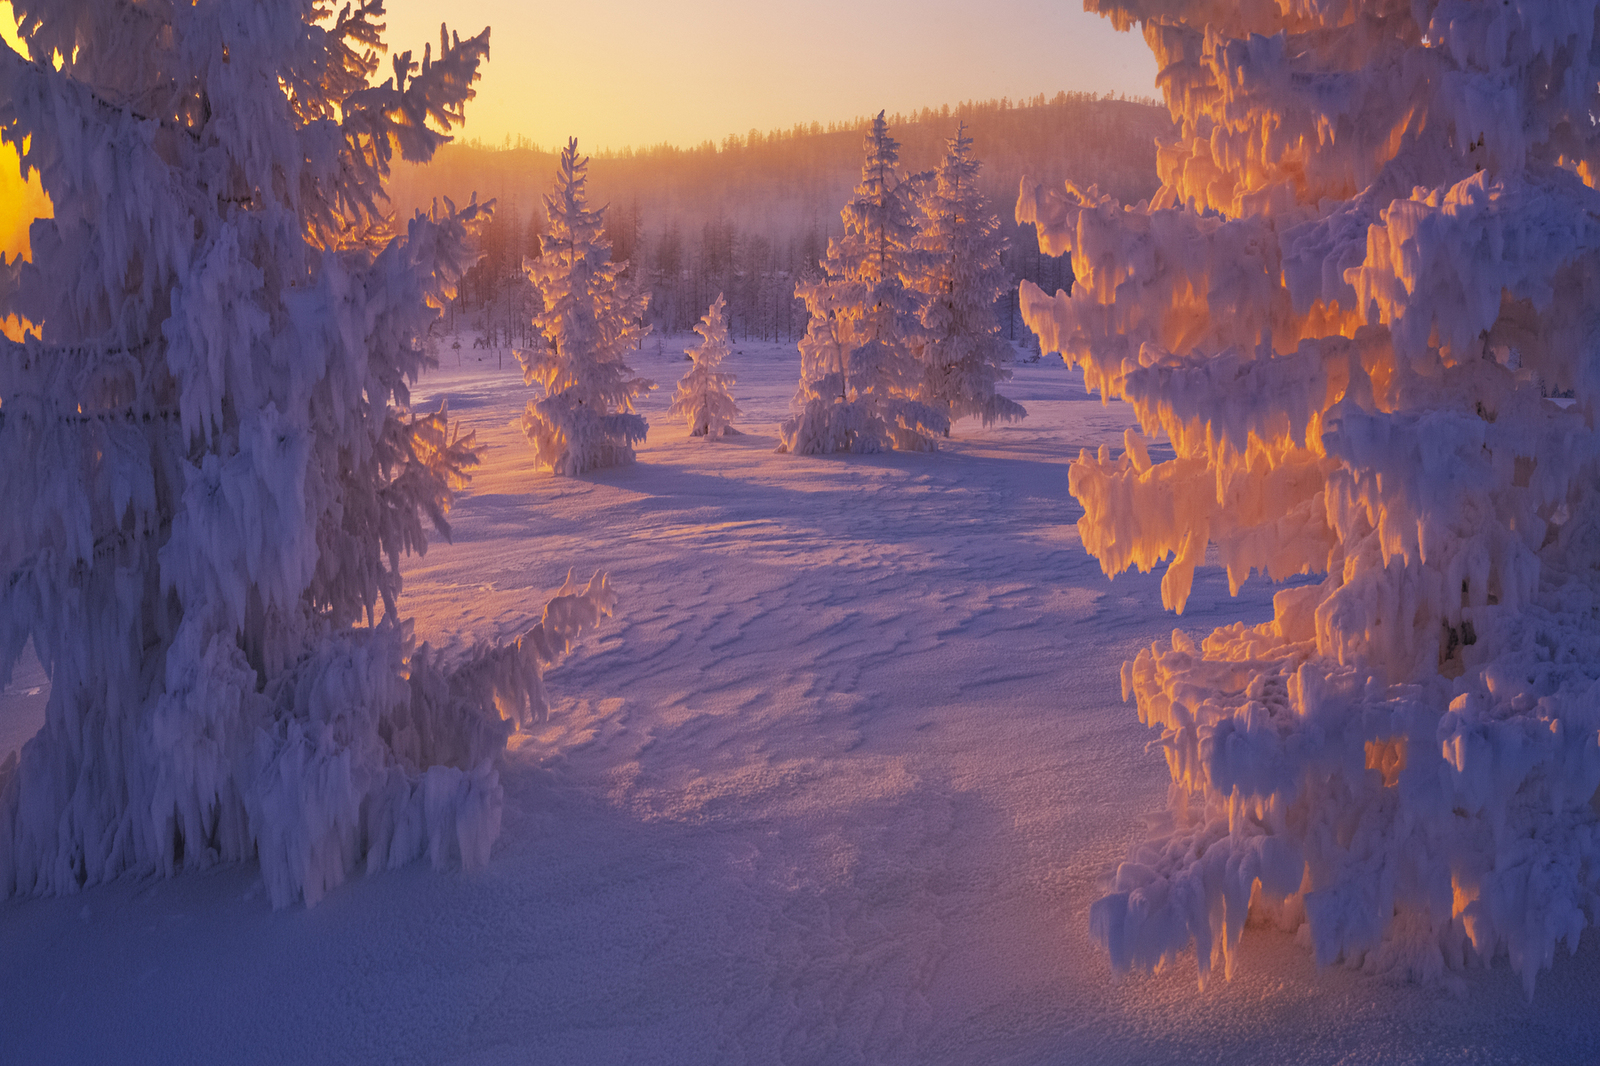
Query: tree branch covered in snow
x,y
213,465
1371,261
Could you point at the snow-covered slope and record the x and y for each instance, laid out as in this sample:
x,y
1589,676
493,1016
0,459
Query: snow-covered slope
x,y
835,786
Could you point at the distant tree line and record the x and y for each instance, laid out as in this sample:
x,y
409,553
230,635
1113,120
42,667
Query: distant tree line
x,y
751,217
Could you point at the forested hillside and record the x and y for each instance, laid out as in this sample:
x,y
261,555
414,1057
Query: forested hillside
x,y
749,216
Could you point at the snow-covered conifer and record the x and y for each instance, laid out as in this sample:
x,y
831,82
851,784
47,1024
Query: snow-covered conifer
x,y
702,397
859,373
963,354
1376,249
212,469
592,317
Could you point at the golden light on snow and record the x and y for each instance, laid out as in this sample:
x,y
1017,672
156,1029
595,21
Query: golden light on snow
x,y
8,25
1388,757
20,201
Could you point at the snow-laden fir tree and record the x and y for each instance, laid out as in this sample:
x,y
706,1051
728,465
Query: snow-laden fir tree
x,y
702,398
963,354
211,465
592,318
1375,253
860,377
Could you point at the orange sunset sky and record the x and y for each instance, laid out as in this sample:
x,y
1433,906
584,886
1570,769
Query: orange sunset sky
x,y
638,72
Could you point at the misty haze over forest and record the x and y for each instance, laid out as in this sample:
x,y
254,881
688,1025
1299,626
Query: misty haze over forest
x,y
752,215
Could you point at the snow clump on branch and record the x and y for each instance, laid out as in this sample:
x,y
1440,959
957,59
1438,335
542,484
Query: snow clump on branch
x,y
1372,259
213,467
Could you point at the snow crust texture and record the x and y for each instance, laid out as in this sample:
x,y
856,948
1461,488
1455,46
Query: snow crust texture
x,y
1370,267
880,845
212,466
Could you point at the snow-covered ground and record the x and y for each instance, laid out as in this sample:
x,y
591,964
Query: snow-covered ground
x,y
835,786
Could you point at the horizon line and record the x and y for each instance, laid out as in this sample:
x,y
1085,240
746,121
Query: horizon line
x,y
518,142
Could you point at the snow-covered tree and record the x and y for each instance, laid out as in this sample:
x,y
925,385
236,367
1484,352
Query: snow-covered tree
x,y
963,355
859,373
592,318
212,468
1375,252
702,398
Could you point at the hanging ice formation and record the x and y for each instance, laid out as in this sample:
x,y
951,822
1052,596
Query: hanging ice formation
x,y
1354,308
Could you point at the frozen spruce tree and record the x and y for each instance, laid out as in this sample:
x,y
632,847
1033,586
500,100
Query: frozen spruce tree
x,y
212,468
860,377
592,318
963,354
702,398
1372,269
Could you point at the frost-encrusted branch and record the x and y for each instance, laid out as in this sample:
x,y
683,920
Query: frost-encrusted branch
x,y
212,466
1371,264
510,676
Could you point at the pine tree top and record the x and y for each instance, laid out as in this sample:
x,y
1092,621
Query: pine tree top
x,y
572,223
713,330
878,246
957,173
880,171
591,316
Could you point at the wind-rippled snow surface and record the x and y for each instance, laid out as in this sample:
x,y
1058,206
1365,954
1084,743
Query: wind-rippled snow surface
x,y
835,786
